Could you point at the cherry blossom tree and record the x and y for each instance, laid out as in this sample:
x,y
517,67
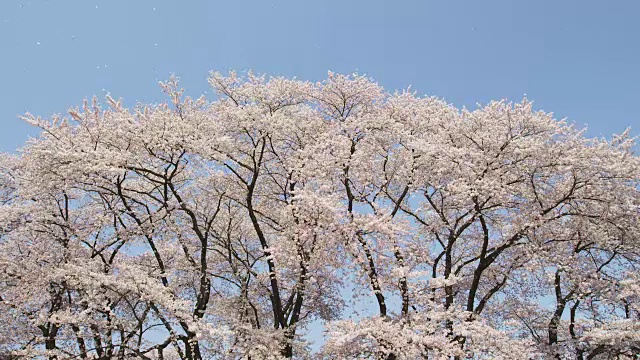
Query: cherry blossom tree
x,y
196,229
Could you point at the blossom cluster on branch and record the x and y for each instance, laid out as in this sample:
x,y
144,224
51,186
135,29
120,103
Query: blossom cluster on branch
x,y
197,229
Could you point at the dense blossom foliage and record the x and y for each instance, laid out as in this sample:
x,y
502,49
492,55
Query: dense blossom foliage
x,y
223,229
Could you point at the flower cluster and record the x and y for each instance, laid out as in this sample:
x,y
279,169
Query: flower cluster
x,y
194,229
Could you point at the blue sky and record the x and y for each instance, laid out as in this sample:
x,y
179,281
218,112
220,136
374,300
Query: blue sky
x,y
578,59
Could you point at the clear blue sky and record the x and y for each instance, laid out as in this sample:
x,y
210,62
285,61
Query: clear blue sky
x,y
578,59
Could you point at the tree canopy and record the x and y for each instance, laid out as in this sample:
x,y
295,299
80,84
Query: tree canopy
x,y
198,229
